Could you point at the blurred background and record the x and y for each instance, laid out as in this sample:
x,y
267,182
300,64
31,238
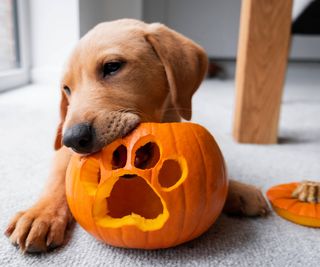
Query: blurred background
x,y
36,36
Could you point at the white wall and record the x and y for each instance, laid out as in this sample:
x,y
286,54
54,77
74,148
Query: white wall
x,y
215,25
54,32
154,10
305,48
91,13
117,9
94,11
56,26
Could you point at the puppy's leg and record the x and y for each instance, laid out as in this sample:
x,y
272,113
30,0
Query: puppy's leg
x,y
245,200
43,226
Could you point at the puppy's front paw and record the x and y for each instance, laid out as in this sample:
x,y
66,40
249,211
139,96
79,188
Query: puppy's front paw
x,y
39,228
245,200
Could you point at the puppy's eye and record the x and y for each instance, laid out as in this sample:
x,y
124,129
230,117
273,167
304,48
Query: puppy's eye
x,y
67,90
111,68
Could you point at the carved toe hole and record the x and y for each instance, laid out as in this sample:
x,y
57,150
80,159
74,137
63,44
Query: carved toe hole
x,y
147,156
133,195
170,173
119,157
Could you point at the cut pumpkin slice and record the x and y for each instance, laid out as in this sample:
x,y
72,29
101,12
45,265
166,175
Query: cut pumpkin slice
x,y
290,207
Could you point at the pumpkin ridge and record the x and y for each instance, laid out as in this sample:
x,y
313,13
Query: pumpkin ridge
x,y
205,171
292,204
288,206
223,169
182,188
280,194
275,190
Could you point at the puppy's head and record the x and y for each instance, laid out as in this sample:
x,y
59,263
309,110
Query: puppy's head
x,y
121,73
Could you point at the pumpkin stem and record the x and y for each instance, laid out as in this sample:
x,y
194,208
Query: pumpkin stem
x,y
307,191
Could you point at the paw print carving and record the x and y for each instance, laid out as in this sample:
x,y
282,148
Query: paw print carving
x,y
129,181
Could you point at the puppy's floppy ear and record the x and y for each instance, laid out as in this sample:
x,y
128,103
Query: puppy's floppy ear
x,y
184,61
63,112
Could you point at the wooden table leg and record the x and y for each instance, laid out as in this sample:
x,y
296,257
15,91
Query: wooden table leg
x,y
261,66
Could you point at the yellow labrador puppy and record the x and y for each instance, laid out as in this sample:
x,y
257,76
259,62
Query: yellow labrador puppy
x,y
120,74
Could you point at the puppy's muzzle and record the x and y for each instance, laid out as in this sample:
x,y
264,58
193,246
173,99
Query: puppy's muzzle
x,y
80,138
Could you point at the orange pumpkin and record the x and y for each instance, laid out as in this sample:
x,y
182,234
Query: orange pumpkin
x,y
290,207
162,185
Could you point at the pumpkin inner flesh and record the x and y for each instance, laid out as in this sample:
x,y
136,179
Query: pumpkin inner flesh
x,y
132,195
90,176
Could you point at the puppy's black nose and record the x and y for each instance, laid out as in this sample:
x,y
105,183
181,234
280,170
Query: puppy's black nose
x,y
79,138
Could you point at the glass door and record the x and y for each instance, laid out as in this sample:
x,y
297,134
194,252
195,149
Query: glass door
x,y
14,44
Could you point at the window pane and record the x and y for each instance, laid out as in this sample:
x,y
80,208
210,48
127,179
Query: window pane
x,y
8,40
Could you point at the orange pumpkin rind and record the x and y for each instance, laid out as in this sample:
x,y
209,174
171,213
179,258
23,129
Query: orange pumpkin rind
x,y
291,208
126,201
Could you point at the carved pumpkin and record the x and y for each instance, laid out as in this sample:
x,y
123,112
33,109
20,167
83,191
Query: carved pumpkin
x,y
162,185
297,202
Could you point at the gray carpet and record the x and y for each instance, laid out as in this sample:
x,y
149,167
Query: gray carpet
x,y
27,122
